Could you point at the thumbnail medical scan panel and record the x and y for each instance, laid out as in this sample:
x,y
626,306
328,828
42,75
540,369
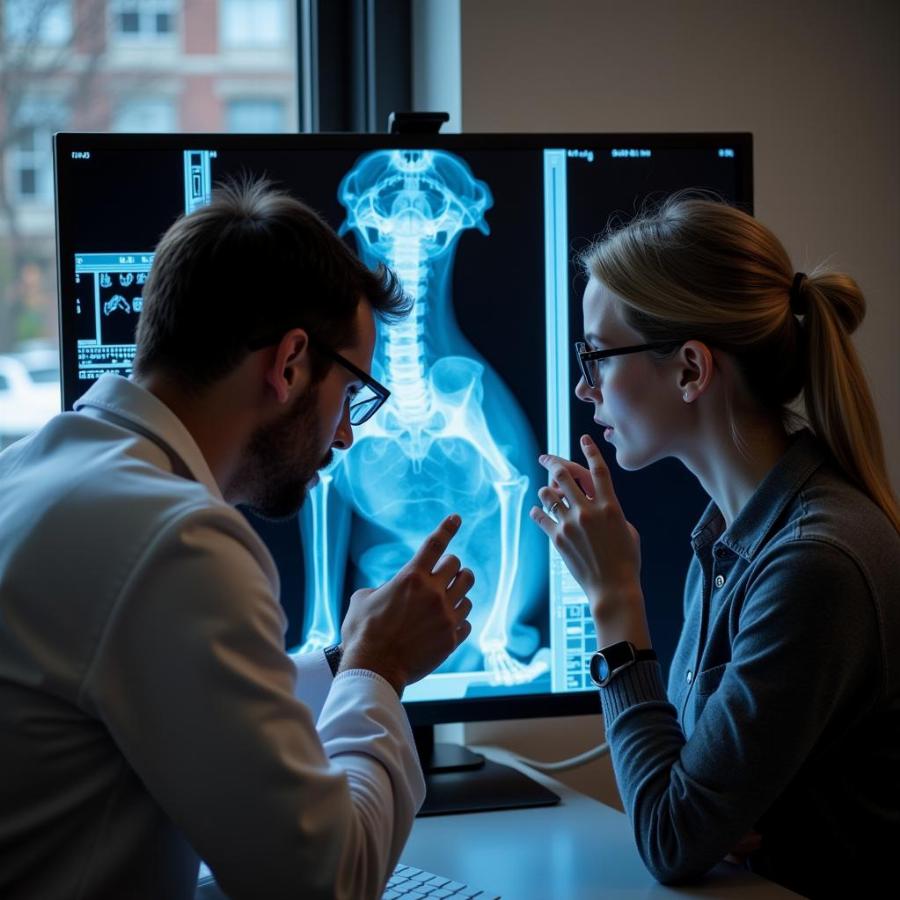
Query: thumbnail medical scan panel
x,y
482,232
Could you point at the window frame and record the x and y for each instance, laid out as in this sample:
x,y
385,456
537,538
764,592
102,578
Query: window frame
x,y
42,114
244,39
145,10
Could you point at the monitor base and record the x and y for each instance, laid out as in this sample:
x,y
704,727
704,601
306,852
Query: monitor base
x,y
461,781
491,786
447,757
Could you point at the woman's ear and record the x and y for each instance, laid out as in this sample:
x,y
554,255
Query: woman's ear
x,y
288,370
695,373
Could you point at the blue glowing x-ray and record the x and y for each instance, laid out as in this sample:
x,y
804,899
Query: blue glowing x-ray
x,y
481,372
452,438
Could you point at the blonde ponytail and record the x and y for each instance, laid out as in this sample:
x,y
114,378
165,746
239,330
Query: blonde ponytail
x,y
838,401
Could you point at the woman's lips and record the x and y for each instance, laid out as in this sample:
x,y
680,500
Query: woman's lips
x,y
607,429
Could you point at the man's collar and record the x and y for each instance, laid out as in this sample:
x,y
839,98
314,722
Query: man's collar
x,y
118,398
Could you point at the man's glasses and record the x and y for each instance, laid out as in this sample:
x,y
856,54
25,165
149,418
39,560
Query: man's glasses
x,y
365,402
588,359
370,397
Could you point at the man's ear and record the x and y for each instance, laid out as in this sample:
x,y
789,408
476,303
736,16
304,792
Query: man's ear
x,y
289,369
695,373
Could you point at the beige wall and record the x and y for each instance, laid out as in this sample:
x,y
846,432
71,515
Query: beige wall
x,y
817,82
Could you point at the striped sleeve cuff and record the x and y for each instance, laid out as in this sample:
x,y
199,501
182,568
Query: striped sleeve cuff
x,y
640,683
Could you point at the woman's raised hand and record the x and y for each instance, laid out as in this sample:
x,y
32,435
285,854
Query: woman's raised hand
x,y
582,516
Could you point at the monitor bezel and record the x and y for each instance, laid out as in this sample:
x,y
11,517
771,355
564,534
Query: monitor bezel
x,y
421,712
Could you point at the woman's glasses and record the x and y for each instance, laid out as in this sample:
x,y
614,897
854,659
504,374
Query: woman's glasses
x,y
588,359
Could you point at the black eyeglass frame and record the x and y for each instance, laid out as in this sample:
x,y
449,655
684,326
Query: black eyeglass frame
x,y
377,388
585,356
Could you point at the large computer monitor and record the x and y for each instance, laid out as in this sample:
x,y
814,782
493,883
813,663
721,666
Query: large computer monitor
x,y
483,231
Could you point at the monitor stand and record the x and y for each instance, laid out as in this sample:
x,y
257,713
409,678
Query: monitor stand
x,y
460,781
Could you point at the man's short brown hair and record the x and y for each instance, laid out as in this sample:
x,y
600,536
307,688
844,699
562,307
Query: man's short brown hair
x,y
243,270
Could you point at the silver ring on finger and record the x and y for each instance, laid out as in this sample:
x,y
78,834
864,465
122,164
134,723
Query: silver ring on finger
x,y
554,506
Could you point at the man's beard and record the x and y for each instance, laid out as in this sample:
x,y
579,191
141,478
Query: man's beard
x,y
281,459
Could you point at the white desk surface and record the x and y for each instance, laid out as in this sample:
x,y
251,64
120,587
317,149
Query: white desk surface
x,y
580,848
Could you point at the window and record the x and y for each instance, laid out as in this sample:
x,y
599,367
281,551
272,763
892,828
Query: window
x,y
145,114
255,114
30,154
27,22
254,23
142,20
155,65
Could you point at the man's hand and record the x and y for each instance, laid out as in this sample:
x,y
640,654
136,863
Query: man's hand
x,y
410,625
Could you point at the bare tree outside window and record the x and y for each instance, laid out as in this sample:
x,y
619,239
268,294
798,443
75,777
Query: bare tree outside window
x,y
111,65
51,53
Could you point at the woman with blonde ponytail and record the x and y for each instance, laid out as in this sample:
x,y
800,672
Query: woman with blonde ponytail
x,y
776,743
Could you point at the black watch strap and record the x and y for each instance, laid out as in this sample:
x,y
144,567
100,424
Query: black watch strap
x,y
609,661
333,654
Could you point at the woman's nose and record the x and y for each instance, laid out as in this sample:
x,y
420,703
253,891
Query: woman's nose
x,y
584,392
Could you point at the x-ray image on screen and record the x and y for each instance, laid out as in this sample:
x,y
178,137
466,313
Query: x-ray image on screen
x,y
454,437
483,233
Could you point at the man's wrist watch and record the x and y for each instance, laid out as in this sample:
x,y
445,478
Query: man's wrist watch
x,y
333,655
608,662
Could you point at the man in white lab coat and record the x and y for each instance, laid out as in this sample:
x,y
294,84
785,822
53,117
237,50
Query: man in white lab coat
x,y
149,715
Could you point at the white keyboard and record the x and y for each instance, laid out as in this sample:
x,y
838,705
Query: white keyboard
x,y
409,883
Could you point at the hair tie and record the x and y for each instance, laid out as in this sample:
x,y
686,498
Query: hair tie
x,y
799,304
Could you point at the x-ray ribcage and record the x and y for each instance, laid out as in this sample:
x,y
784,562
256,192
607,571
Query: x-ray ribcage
x,y
452,437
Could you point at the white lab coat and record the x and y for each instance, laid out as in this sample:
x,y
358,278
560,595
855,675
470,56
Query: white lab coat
x,y
148,711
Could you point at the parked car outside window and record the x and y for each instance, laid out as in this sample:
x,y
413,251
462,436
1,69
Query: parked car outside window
x,y
29,392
